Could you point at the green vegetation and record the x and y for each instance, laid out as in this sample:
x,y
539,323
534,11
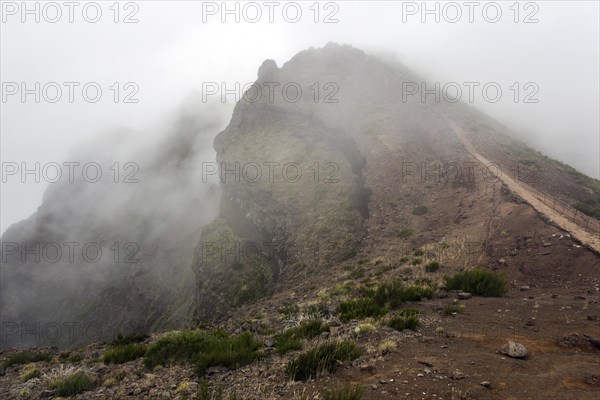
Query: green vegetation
x,y
453,308
357,273
418,253
588,209
345,393
478,281
292,338
406,318
128,339
216,394
26,357
360,308
73,384
320,359
432,266
69,357
376,301
405,233
254,283
204,349
122,353
420,210
402,323
30,371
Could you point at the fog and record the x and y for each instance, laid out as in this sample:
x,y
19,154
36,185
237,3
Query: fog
x,y
170,52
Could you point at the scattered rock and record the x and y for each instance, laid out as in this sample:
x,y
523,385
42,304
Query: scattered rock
x,y
514,350
269,342
464,296
547,244
524,288
593,380
502,261
593,340
486,384
457,375
367,368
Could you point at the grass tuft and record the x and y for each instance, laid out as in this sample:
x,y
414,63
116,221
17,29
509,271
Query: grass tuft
x,y
320,359
204,349
345,393
73,384
292,338
478,281
26,357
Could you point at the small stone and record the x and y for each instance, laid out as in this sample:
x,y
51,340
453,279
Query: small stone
x,y
589,318
457,375
486,384
374,387
547,244
554,296
464,295
514,350
524,288
367,368
269,342
579,298
420,375
502,261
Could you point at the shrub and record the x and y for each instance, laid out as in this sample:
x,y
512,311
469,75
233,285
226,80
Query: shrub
x,y
128,339
420,210
364,327
205,349
387,346
360,308
320,359
292,338
119,354
206,394
26,357
376,302
405,233
478,281
345,393
71,358
453,309
29,372
73,384
432,266
401,323
418,253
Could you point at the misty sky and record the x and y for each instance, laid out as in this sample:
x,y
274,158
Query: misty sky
x,y
171,52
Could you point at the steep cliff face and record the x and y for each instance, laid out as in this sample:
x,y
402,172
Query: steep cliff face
x,y
382,174
113,256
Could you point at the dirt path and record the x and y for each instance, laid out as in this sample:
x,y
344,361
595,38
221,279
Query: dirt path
x,y
588,239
